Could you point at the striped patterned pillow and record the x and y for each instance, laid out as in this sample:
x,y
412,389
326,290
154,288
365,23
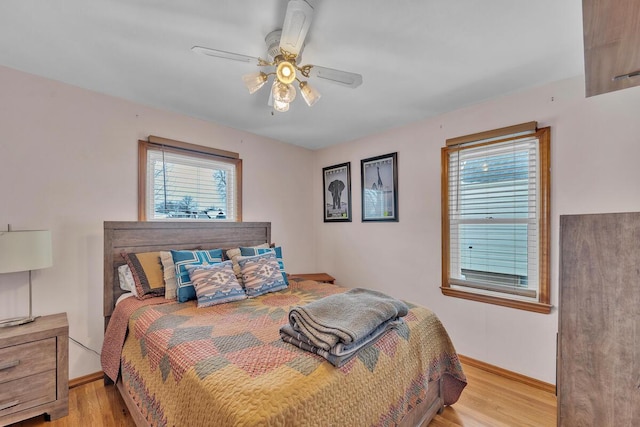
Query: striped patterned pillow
x,y
215,283
146,270
181,259
235,254
261,274
258,251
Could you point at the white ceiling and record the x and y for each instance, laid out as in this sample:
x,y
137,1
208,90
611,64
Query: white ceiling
x,y
418,58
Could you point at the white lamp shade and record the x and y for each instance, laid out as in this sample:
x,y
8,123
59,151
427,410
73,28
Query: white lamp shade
x,y
282,92
281,107
254,81
25,250
309,93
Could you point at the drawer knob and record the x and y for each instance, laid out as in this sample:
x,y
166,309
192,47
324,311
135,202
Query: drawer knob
x,y
10,364
9,404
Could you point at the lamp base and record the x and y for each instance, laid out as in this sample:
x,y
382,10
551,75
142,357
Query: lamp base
x,y
5,323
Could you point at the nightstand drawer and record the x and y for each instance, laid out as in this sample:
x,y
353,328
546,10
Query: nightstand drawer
x,y
26,359
28,392
34,367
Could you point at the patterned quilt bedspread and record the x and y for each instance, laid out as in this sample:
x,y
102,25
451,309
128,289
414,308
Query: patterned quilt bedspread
x,y
227,366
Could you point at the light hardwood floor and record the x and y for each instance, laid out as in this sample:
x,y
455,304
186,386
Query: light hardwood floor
x,y
488,400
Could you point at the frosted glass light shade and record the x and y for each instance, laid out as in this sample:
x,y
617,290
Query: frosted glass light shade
x,y
309,93
282,92
286,72
254,81
25,250
281,107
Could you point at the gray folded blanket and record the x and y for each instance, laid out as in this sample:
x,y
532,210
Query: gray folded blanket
x,y
340,354
345,318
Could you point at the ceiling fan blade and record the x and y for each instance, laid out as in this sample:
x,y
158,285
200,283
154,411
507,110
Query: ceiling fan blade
x,y
224,54
270,100
297,21
344,78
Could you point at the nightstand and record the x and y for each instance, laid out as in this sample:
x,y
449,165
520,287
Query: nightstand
x,y
34,369
318,277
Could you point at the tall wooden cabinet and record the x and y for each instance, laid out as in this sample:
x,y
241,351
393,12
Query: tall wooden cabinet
x,y
599,320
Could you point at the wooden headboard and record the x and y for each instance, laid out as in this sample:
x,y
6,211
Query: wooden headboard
x,y
139,236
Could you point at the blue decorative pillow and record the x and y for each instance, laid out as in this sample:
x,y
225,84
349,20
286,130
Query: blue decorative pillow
x,y
181,259
215,283
261,274
259,251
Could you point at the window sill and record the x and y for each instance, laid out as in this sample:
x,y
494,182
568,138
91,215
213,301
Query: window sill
x,y
536,307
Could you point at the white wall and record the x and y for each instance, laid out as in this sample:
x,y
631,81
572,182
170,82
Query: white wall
x,y
68,162
595,147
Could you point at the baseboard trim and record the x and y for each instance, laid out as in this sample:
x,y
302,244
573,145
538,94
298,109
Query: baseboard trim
x,y
86,379
514,376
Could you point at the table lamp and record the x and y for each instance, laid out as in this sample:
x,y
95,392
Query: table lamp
x,y
24,251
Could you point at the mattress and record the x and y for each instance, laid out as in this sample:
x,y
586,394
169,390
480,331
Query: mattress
x,y
226,365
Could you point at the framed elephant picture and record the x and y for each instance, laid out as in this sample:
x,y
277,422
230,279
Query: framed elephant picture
x,y
337,193
380,188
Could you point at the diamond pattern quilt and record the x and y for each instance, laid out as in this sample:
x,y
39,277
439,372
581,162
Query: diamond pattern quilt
x,y
226,365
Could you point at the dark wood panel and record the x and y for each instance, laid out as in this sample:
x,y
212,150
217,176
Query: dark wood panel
x,y
611,40
599,367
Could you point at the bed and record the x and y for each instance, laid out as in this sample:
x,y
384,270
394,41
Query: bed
x,y
226,364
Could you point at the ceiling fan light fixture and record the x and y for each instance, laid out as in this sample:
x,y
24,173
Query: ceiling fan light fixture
x,y
284,54
284,93
281,107
254,81
309,93
286,72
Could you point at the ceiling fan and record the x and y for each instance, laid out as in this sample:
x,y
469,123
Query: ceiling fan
x,y
284,48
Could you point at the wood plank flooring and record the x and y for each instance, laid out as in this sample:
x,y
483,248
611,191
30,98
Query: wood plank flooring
x,y
488,400
492,400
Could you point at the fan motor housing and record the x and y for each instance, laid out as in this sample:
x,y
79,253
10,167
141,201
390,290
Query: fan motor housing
x,y
273,44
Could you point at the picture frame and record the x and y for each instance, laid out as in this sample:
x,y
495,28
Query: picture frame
x,y
379,179
336,182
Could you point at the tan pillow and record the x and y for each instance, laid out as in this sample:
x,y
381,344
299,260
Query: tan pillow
x,y
146,269
169,272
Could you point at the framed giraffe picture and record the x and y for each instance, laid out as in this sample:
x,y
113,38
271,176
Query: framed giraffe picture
x,y
380,188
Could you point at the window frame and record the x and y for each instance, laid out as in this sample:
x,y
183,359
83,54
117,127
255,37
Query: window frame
x,y
185,149
542,305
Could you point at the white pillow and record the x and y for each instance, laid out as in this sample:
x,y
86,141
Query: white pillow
x,y
124,296
126,279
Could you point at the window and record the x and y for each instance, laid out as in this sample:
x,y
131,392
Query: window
x,y
177,180
495,217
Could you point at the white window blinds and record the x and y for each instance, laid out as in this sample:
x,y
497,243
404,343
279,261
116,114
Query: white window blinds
x,y
191,185
493,216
